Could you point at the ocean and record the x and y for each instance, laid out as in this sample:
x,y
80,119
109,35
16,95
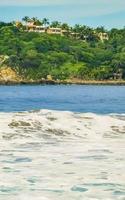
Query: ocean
x,y
62,142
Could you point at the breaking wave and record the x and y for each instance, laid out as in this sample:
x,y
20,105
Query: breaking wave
x,y
57,155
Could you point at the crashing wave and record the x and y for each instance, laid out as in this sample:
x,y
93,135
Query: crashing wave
x,y
54,155
60,123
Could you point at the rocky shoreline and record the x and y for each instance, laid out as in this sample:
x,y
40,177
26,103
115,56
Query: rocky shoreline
x,y
9,76
64,82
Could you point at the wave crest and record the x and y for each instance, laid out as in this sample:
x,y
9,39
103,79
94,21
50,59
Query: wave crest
x,y
58,124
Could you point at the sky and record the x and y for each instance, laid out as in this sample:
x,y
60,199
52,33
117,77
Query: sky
x,y
107,13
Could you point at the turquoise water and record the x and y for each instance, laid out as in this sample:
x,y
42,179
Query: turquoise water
x,y
76,98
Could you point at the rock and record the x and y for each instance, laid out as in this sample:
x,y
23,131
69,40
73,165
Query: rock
x,y
8,74
49,78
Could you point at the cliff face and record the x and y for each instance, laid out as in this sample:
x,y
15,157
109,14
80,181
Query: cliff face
x,y
8,75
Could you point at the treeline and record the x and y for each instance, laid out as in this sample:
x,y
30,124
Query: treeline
x,y
35,55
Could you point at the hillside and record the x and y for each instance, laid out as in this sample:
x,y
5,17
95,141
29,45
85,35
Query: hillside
x,y
34,56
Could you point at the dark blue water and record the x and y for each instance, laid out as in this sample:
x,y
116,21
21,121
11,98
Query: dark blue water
x,y
78,98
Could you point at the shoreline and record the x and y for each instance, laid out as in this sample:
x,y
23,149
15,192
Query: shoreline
x,y
63,82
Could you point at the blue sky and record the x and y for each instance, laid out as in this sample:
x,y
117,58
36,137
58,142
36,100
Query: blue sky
x,y
109,13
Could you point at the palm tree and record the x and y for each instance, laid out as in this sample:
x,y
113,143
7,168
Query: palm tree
x,y
26,19
65,26
77,28
91,35
36,21
45,21
56,24
66,29
76,31
83,32
100,29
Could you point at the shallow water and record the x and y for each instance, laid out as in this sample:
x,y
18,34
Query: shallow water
x,y
56,155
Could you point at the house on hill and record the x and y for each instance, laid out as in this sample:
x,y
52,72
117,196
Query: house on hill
x,y
103,36
31,27
40,29
57,31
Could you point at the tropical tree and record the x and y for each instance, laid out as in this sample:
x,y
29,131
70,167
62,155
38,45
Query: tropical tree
x,y
77,28
100,29
55,24
26,19
65,26
45,21
36,21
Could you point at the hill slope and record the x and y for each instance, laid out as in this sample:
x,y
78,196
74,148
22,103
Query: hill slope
x,y
34,56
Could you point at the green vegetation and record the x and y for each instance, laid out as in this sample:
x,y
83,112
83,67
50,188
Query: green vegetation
x,y
37,55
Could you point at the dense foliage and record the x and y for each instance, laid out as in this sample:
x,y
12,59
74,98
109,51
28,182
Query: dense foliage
x,y
36,55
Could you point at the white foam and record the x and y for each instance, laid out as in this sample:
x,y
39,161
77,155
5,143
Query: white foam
x,y
61,155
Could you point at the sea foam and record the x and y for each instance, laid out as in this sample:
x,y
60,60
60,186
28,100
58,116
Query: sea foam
x,y
52,155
